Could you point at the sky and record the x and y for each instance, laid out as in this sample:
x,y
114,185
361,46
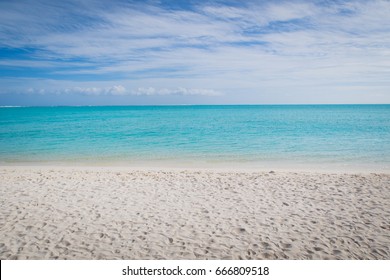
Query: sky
x,y
118,52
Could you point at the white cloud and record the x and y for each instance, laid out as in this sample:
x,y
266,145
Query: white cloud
x,y
175,91
120,90
114,90
262,47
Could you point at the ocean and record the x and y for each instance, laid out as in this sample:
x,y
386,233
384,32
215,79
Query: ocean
x,y
336,137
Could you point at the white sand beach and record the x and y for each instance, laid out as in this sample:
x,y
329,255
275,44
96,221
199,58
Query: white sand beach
x,y
98,213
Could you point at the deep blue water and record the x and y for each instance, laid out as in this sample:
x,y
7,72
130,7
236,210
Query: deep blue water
x,y
339,135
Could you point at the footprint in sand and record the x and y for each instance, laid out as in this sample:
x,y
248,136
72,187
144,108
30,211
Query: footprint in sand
x,y
240,230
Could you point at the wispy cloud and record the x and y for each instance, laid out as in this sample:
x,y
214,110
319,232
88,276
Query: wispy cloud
x,y
255,48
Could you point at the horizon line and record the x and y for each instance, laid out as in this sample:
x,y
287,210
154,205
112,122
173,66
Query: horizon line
x,y
184,105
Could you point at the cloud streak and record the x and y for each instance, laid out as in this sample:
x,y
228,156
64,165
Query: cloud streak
x,y
119,90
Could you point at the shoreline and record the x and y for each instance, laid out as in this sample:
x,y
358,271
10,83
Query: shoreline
x,y
72,213
199,166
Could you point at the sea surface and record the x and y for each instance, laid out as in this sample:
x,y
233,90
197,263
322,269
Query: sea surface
x,y
338,137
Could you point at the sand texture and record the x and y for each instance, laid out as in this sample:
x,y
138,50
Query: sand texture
x,y
65,213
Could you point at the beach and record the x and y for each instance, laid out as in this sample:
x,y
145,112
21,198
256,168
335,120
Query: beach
x,y
51,212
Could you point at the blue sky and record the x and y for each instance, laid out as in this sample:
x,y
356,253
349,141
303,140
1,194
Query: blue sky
x,y
194,52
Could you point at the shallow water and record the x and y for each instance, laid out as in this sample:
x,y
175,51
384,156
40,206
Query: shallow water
x,y
307,135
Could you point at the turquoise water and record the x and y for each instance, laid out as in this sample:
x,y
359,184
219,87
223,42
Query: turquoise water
x,y
301,135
